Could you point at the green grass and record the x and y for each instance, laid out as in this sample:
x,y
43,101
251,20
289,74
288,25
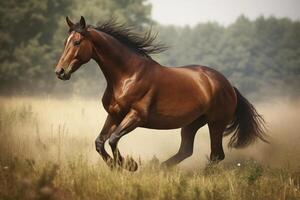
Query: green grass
x,y
40,160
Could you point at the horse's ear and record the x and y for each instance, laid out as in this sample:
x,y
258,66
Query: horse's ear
x,y
69,22
82,22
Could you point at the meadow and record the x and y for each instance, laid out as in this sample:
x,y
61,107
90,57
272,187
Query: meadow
x,y
47,152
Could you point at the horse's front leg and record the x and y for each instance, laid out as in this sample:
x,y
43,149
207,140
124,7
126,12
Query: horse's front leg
x,y
107,130
129,123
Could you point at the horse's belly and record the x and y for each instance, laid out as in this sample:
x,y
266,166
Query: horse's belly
x,y
166,122
178,103
174,114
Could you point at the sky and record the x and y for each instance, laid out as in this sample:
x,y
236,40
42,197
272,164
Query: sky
x,y
191,12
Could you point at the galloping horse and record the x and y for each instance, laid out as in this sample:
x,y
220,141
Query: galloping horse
x,y
142,93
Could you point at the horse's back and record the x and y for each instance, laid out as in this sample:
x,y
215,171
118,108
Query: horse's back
x,y
222,94
210,81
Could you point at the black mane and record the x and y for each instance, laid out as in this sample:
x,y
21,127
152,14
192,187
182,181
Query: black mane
x,y
143,45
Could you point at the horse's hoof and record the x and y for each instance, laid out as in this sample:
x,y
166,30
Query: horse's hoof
x,y
130,164
110,164
167,165
164,166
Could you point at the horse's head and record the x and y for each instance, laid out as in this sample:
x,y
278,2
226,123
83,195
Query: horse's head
x,y
77,51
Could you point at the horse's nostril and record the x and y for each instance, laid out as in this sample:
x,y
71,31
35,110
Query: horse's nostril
x,y
59,71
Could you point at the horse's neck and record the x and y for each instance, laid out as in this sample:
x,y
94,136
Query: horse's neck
x,y
115,60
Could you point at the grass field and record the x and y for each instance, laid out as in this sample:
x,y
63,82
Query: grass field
x,y
47,152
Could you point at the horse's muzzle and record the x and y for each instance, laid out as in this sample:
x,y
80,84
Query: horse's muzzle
x,y
61,74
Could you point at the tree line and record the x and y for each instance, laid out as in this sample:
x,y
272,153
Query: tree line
x,y
260,57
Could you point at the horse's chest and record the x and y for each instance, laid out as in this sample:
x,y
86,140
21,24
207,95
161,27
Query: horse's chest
x,y
118,102
117,107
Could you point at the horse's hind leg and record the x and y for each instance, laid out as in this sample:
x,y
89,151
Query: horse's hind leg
x,y
216,130
187,142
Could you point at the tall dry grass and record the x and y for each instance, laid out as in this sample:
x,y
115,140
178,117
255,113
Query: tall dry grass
x,y
47,152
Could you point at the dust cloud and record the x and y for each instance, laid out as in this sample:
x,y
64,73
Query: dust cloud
x,y
82,120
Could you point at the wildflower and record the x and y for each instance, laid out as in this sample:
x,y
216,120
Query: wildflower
x,y
46,191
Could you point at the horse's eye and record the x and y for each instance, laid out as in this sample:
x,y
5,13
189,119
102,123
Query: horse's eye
x,y
77,42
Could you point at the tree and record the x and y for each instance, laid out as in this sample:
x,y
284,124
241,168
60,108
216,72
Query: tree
x,y
27,30
32,35
259,57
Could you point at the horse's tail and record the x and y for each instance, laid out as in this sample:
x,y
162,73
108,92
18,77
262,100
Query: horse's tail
x,y
247,125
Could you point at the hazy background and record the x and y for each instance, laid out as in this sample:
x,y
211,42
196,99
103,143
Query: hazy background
x,y
191,12
48,126
256,44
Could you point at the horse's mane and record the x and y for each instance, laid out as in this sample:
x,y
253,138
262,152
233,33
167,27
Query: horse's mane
x,y
141,44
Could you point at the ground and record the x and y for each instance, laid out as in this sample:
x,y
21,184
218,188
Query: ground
x,y
47,152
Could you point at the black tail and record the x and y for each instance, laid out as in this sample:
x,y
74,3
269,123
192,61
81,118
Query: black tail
x,y
247,126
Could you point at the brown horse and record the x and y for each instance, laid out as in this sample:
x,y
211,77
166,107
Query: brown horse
x,y
142,93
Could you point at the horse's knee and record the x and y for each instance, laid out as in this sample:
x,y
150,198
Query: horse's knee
x,y
99,145
189,153
113,140
186,154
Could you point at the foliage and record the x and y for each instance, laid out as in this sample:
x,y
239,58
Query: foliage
x,y
27,31
32,35
260,57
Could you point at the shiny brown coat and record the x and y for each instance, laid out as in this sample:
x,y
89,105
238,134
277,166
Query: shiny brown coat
x,y
142,93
